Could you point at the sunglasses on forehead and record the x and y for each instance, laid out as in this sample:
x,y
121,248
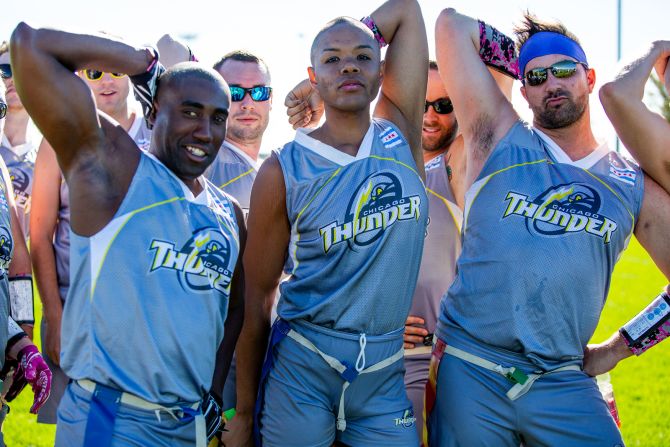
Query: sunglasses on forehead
x,y
258,93
96,75
3,110
442,106
562,69
5,71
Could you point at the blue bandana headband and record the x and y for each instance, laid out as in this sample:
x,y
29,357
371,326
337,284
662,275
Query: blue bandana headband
x,y
547,42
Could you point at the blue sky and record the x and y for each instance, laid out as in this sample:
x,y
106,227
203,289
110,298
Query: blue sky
x,y
281,31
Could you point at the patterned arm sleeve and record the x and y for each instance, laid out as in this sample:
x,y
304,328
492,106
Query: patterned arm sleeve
x,y
498,51
144,86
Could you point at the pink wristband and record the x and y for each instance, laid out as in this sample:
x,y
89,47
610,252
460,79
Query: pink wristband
x,y
367,21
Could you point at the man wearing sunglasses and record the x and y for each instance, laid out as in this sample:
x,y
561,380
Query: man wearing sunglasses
x,y
19,145
154,245
548,213
236,164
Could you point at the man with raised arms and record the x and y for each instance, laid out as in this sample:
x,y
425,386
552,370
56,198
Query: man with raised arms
x,y
138,286
547,209
342,210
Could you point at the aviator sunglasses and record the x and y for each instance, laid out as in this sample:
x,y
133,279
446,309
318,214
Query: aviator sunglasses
x,y
5,71
3,110
562,69
96,75
258,93
442,106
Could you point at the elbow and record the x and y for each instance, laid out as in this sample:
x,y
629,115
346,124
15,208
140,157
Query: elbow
x,y
609,95
21,38
447,22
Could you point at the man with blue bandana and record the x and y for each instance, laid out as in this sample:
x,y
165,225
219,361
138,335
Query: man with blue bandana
x,y
546,217
341,209
154,245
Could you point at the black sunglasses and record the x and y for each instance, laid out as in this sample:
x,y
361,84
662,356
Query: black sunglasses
x,y
3,110
562,69
442,106
5,71
258,93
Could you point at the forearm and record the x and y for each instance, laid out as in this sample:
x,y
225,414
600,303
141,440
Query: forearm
x,y
391,15
44,265
79,51
630,82
224,355
251,349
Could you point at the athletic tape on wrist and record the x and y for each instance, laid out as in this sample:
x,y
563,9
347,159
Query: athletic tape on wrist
x,y
649,327
21,302
497,50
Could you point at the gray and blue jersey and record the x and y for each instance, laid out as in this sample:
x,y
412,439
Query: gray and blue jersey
x,y
357,231
541,235
144,286
234,172
6,251
20,161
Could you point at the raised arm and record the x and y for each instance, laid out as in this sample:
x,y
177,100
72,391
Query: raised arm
x,y
403,90
43,219
267,245
645,133
44,63
484,113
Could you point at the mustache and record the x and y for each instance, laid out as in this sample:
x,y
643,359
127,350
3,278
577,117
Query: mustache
x,y
246,115
557,94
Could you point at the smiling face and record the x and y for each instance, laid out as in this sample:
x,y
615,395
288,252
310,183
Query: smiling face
x,y
558,102
248,119
346,67
111,93
439,130
190,122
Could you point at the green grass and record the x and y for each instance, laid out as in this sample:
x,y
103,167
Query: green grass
x,y
638,382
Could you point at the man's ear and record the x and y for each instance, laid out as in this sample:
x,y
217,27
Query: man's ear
x,y
152,115
311,75
591,79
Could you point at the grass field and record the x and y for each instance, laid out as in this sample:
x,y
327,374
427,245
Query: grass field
x,y
638,382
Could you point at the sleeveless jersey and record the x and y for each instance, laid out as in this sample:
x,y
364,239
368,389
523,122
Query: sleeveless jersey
x,y
541,235
442,247
141,135
357,231
234,172
150,291
20,161
6,251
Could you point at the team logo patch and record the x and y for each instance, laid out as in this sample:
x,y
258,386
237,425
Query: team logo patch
x,y
202,264
390,138
434,163
6,247
21,184
377,204
564,209
623,174
407,420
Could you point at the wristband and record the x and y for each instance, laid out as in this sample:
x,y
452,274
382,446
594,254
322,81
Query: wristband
x,y
21,303
649,327
498,51
367,21
145,84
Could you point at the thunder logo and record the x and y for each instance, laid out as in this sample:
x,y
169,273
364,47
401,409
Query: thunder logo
x,y
203,263
377,204
563,209
6,246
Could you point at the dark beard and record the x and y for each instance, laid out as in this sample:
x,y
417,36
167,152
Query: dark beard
x,y
568,113
443,142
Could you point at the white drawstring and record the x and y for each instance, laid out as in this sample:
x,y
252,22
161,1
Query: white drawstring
x,y
360,361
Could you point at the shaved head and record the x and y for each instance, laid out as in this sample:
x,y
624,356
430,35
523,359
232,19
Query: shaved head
x,y
333,26
185,71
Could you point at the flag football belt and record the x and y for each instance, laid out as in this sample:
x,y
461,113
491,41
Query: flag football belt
x,y
346,371
522,381
104,405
